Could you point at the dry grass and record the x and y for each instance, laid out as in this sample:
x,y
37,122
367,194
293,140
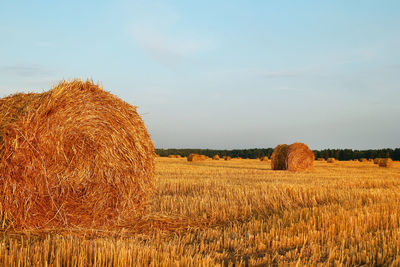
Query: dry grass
x,y
73,156
216,213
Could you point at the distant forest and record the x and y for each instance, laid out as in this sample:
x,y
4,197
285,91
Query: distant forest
x,y
340,154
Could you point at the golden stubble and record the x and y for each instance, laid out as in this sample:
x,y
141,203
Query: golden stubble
x,y
220,213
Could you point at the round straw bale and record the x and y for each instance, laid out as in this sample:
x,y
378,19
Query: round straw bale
x,y
299,157
195,157
264,158
279,157
376,160
386,162
73,156
172,156
216,157
227,158
363,160
321,159
331,160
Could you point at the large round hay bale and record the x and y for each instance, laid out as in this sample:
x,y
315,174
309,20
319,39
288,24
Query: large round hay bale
x,y
299,157
195,157
227,158
386,162
264,158
279,157
73,156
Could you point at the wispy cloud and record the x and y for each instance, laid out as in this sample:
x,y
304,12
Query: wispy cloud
x,y
165,47
26,78
26,70
393,66
261,73
43,44
157,29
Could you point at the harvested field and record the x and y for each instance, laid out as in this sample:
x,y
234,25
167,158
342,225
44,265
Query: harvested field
x,y
217,213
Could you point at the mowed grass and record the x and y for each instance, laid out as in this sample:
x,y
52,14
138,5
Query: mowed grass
x,y
240,213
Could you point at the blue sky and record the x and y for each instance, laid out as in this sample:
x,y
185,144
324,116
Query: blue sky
x,y
221,74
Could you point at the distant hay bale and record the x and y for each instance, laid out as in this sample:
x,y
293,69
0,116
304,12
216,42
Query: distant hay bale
x,y
363,160
174,156
376,160
216,157
299,157
386,162
195,157
279,157
296,157
264,158
227,158
73,156
321,159
331,160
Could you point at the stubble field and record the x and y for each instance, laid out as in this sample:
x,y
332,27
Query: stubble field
x,y
239,213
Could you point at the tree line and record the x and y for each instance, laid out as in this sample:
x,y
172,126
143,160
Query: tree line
x,y
339,154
